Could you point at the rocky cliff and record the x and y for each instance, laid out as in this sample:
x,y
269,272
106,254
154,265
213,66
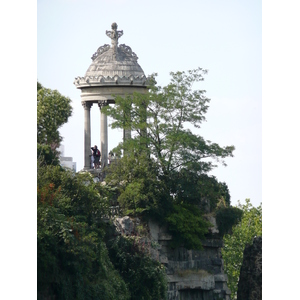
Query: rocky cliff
x,y
250,281
191,274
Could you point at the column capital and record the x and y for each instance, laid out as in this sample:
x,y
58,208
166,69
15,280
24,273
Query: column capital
x,y
86,104
102,103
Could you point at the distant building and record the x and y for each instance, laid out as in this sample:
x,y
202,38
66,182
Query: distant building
x,y
66,161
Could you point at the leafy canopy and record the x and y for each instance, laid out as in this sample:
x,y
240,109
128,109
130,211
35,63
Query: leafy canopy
x,y
234,244
73,260
163,171
77,259
144,277
72,257
160,120
53,110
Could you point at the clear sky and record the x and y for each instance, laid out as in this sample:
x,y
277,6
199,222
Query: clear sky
x,y
224,37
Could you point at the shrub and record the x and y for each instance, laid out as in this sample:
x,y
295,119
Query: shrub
x,y
227,217
234,244
72,258
187,226
145,278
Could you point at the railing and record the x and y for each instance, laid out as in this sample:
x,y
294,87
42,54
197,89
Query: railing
x,y
114,211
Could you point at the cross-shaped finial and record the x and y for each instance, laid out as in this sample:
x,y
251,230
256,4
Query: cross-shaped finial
x,y
114,34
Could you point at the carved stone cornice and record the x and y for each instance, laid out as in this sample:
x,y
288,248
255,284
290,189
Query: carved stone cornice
x,y
94,81
86,104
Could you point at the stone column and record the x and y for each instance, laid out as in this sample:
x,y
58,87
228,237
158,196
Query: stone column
x,y
103,134
126,134
87,134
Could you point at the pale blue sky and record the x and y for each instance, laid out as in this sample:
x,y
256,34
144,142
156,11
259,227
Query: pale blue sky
x,y
224,37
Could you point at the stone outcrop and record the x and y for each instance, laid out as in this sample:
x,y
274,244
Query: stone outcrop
x,y
192,274
250,281
125,225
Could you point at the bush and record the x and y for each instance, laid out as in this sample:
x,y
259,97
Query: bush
x,y
226,218
72,258
234,244
46,155
144,277
187,226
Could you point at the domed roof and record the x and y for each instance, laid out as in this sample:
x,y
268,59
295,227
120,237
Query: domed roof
x,y
107,62
113,65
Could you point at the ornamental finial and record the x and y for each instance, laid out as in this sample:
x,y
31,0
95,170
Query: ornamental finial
x,y
114,35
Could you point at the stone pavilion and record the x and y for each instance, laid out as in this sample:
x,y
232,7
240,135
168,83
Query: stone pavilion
x,y
114,71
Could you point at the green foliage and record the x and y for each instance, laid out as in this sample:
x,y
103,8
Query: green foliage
x,y
162,173
46,155
187,226
39,86
210,188
159,120
227,217
53,110
191,187
139,191
72,256
234,244
73,260
145,278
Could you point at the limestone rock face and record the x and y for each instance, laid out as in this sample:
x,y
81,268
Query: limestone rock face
x,y
124,225
250,282
192,274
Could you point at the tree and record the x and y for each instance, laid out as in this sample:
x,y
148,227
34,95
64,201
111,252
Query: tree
x,y
39,86
234,244
53,110
72,257
145,278
164,114
164,165
77,259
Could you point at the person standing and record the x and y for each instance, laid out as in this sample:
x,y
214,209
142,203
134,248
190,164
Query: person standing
x,y
96,155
